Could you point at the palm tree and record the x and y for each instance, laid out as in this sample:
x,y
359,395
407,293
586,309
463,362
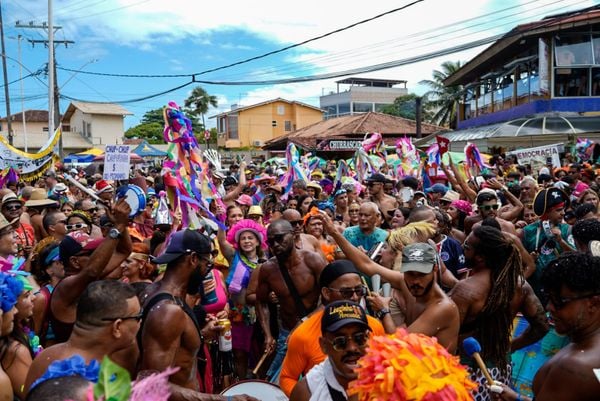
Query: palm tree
x,y
199,101
443,99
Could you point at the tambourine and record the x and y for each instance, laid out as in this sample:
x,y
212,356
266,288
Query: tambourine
x,y
260,389
135,198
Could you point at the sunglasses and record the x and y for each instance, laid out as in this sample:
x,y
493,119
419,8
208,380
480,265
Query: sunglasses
x,y
13,207
341,343
137,317
560,302
276,238
489,207
347,293
92,210
77,226
296,223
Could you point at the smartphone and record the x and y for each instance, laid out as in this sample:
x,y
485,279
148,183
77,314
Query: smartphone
x,y
375,251
479,180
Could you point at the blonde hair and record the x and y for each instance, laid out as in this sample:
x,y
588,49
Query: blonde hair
x,y
414,232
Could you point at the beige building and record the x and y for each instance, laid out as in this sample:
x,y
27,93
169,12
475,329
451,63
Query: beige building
x,y
252,126
33,135
99,123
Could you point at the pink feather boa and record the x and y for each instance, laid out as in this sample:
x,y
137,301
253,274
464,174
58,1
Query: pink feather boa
x,y
233,235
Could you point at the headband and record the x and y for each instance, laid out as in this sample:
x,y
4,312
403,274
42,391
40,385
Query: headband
x,y
53,256
139,256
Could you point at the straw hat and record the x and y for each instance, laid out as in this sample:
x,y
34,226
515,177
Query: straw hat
x,y
39,197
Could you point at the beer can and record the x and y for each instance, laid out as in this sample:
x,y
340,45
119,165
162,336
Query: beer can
x,y
224,335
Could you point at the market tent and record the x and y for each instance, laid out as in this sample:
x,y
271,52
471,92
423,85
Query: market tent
x,y
144,149
78,158
91,151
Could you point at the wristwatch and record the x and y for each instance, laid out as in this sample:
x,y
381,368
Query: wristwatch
x,y
382,313
113,233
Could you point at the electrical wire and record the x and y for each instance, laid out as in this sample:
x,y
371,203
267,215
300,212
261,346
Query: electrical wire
x,y
259,56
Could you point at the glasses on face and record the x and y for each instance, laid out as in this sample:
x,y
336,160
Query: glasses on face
x,y
76,226
341,343
489,207
276,238
91,210
12,208
296,223
137,317
560,302
347,293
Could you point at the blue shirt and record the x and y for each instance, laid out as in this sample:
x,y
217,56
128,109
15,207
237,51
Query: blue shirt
x,y
356,237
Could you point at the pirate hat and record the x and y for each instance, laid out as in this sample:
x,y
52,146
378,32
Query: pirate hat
x,y
548,198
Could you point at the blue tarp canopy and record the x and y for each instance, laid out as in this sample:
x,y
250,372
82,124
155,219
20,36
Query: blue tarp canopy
x,y
78,158
144,149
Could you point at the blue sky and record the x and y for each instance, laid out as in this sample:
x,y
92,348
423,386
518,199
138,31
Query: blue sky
x,y
145,37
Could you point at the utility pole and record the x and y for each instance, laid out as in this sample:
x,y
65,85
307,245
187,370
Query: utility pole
x,y
22,95
53,90
5,74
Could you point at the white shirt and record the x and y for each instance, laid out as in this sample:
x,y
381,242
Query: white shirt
x,y
317,379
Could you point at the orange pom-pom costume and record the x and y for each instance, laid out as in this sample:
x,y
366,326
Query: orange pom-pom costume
x,y
409,366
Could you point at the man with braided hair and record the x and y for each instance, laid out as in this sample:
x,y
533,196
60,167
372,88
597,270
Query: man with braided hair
x,y
489,300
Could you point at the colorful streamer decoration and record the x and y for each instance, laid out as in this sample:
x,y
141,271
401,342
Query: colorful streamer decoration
x,y
187,178
295,170
408,156
473,159
410,366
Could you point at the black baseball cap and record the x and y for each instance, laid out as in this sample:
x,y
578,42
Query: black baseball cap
x,y
342,313
377,177
183,242
336,269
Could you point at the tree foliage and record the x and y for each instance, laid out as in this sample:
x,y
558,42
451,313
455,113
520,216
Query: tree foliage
x,y
443,99
406,107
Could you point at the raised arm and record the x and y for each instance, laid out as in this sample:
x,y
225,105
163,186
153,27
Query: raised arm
x,y
67,292
358,257
231,196
513,213
227,250
467,191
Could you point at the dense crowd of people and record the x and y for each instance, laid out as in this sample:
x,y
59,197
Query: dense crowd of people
x,y
287,284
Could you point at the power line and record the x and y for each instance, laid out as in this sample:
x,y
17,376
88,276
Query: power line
x,y
376,67
255,57
415,43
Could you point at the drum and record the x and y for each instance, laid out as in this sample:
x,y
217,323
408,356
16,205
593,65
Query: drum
x,y
260,389
527,361
134,196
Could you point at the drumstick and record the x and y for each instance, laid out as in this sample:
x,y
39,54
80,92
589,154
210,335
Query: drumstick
x,y
259,364
365,284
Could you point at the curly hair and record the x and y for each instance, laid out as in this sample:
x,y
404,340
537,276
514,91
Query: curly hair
x,y
587,230
576,270
502,257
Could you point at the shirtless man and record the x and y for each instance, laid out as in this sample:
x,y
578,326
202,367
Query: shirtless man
x,y
86,260
428,309
487,206
108,319
383,201
489,299
171,334
304,268
573,284
301,240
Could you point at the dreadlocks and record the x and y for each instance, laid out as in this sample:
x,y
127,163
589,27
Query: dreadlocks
x,y
503,259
